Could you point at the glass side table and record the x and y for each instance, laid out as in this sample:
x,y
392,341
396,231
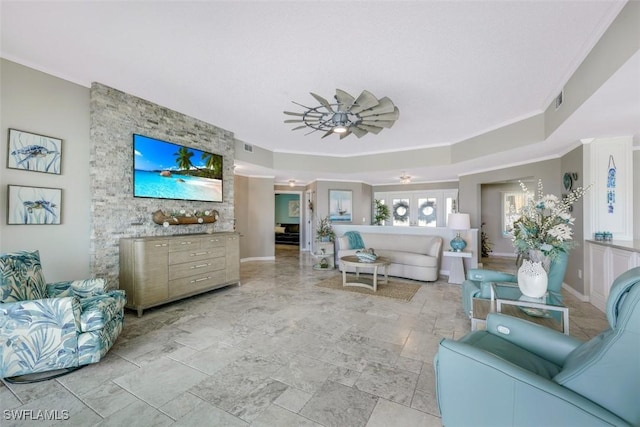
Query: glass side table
x,y
506,298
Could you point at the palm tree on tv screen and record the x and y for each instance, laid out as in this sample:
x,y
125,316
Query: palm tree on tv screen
x,y
183,159
213,163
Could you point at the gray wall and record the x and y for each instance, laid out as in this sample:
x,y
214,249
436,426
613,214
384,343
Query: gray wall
x,y
255,215
572,162
37,102
115,117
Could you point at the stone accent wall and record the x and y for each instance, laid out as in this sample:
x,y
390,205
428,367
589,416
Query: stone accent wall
x,y
115,116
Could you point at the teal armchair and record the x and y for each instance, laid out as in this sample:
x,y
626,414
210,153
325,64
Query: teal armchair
x,y
46,327
519,373
478,283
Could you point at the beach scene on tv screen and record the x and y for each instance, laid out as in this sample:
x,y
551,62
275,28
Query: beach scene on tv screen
x,y
170,171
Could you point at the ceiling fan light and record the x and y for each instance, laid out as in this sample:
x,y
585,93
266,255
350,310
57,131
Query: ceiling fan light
x,y
339,129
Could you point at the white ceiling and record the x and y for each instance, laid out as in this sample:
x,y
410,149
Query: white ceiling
x,y
454,69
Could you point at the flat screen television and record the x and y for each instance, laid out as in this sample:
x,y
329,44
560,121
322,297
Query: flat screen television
x,y
164,170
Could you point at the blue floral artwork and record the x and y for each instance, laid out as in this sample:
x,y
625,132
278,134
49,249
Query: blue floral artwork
x,y
34,205
32,152
611,185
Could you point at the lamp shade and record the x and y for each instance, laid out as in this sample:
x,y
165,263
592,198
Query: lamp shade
x,y
459,221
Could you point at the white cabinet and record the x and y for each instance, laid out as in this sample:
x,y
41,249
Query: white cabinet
x,y
607,261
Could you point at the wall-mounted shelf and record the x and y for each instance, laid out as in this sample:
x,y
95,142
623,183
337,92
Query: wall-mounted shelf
x,y
167,219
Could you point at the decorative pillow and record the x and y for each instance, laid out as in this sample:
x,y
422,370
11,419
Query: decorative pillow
x,y
293,228
280,230
21,277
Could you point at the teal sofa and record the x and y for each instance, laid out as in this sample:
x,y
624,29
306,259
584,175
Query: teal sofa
x,y
46,327
516,373
478,283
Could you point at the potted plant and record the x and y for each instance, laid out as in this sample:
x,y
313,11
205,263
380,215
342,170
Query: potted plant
x,y
324,231
382,212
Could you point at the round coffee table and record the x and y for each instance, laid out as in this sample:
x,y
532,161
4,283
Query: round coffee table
x,y
354,261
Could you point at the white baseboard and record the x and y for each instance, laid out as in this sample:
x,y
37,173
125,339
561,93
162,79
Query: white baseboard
x,y
262,258
575,293
505,255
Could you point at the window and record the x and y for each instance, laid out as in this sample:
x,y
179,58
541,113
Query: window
x,y
419,208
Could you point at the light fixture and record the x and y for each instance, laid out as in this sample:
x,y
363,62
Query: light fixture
x,y
292,183
404,178
458,222
347,115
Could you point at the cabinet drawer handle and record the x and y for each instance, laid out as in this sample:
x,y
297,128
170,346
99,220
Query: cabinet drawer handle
x,y
199,253
160,245
200,266
201,279
185,243
214,240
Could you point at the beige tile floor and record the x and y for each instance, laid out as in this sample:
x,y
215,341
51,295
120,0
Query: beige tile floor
x,y
276,351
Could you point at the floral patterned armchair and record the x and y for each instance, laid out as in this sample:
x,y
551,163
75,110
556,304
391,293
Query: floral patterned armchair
x,y
46,327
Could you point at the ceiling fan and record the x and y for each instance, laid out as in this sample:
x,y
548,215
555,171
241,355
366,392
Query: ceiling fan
x,y
348,115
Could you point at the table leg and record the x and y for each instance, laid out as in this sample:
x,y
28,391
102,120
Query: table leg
x,y
344,275
386,274
375,278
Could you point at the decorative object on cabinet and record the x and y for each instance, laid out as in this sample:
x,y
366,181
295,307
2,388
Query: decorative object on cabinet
x,y
48,327
34,205
157,270
183,217
340,205
33,152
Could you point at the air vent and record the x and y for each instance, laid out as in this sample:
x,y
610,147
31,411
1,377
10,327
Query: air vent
x,y
559,99
248,148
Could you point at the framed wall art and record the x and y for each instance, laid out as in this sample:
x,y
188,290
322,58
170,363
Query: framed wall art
x,y
294,208
33,152
33,205
340,205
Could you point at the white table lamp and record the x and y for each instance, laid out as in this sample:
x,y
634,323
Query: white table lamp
x,y
458,222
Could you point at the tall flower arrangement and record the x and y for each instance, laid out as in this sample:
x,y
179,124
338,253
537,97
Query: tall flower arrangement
x,y
545,223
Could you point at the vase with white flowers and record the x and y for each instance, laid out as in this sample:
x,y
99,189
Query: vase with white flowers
x,y
543,231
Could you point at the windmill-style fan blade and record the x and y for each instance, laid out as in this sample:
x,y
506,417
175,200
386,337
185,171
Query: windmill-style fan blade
x,y
379,123
388,116
365,101
291,113
345,134
358,131
299,127
345,101
369,128
322,102
329,132
308,119
385,106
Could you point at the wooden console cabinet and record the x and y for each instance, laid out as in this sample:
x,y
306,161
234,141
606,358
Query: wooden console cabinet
x,y
156,270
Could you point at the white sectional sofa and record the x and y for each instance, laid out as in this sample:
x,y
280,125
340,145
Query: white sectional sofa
x,y
412,256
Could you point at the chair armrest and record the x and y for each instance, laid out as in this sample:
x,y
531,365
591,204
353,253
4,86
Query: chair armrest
x,y
80,288
38,335
475,387
551,345
481,275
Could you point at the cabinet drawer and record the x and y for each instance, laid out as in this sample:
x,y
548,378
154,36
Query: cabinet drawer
x,y
195,255
192,284
185,243
213,242
197,267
